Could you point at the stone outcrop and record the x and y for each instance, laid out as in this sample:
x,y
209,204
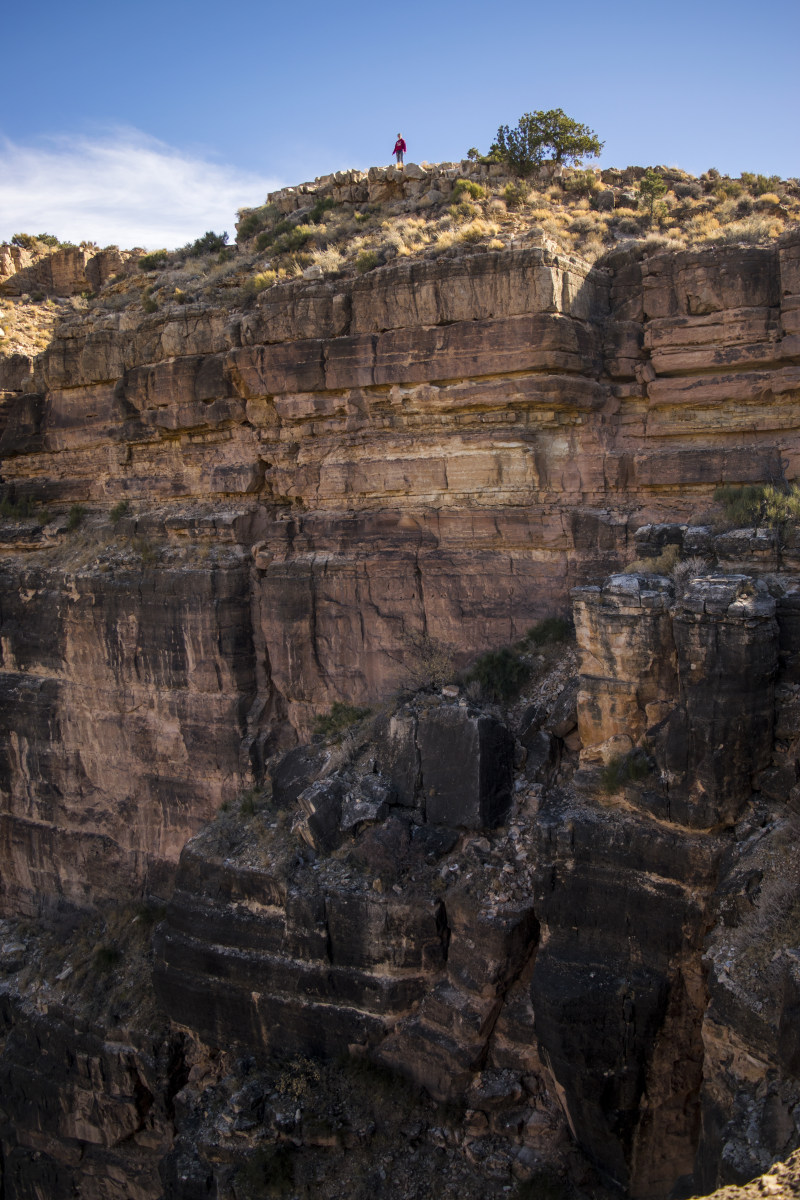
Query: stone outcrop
x,y
636,866
415,185
420,185
671,672
348,938
67,271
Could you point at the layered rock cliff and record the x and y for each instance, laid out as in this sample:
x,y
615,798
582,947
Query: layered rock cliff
x,y
294,504
437,450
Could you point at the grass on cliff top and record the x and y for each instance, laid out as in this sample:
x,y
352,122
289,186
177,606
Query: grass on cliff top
x,y
333,725
339,239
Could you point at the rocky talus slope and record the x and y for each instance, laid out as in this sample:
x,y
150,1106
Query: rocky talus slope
x,y
571,922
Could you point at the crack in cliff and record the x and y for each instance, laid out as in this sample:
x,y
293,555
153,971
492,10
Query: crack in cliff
x,y
313,622
420,592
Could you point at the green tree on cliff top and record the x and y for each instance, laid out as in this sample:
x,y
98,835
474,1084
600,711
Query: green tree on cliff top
x,y
651,189
523,147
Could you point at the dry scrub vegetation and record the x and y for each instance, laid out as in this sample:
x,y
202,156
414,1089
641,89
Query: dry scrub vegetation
x,y
579,213
27,323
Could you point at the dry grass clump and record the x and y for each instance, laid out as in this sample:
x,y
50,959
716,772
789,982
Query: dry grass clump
x,y
478,231
664,564
657,243
465,211
444,240
330,259
750,231
592,249
687,569
587,223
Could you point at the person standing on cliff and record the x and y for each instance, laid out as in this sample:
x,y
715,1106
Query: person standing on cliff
x,y
399,149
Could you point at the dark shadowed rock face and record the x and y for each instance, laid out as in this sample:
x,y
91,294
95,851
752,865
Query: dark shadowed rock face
x,y
466,763
617,986
631,868
378,937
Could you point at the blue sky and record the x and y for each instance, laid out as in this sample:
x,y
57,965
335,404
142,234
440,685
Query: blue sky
x,y
151,122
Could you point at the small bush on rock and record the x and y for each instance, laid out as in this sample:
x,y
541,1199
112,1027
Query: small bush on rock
x,y
321,206
366,261
293,239
23,507
467,187
500,673
759,504
759,185
335,724
76,515
209,243
662,564
515,195
254,221
153,261
549,632
630,768
582,183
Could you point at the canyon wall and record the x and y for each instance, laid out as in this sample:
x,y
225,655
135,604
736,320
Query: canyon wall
x,y
319,491
438,450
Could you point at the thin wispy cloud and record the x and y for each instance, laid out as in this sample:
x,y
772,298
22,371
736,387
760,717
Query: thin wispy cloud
x,y
120,188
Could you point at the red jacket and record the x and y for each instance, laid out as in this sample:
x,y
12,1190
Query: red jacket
x,y
399,146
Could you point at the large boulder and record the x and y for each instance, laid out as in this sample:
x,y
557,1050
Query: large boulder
x,y
467,764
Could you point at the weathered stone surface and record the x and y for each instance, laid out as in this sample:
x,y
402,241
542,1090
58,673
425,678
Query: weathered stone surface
x,y
66,271
648,667
321,805
79,1111
751,1066
124,708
